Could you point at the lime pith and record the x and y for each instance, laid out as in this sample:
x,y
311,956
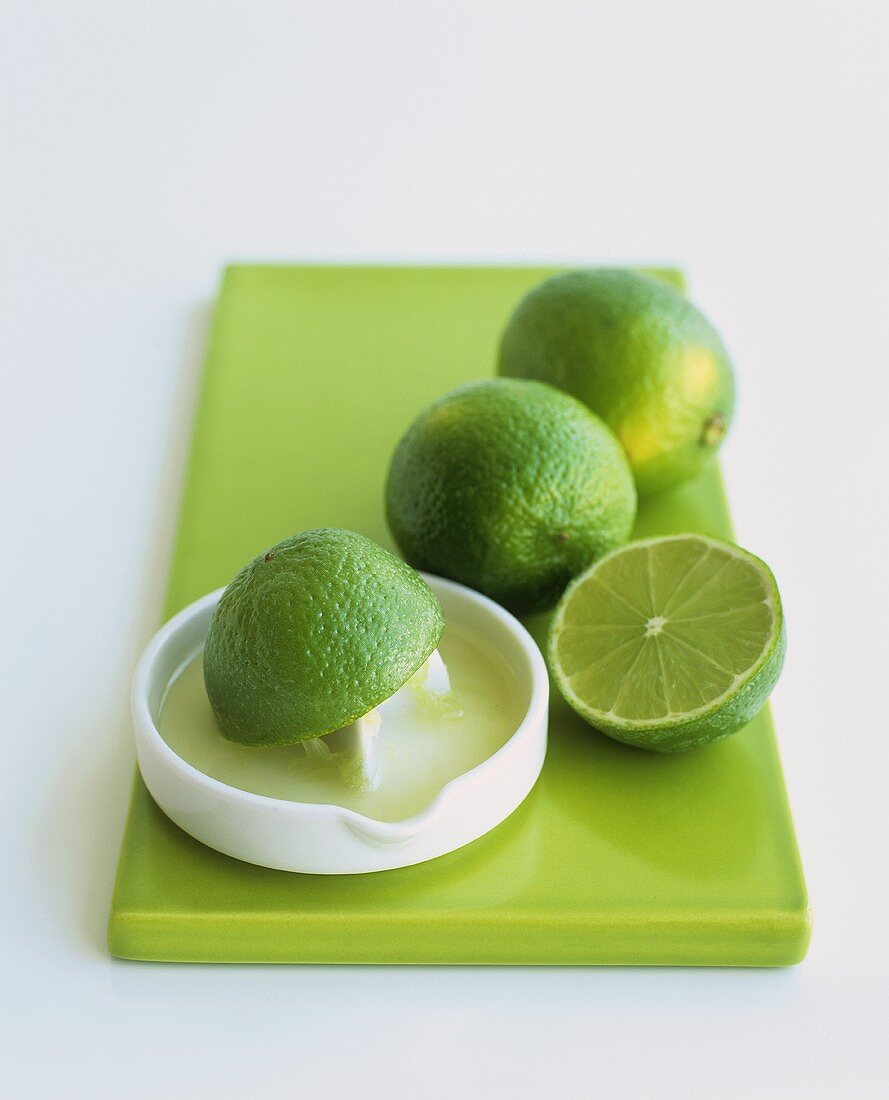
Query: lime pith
x,y
669,643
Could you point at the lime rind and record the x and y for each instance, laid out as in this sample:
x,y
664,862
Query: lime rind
x,y
720,715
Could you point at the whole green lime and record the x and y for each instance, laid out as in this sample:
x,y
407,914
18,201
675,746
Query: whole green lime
x,y
511,488
313,634
639,354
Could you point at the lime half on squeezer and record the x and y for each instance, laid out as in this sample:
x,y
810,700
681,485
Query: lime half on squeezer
x,y
313,634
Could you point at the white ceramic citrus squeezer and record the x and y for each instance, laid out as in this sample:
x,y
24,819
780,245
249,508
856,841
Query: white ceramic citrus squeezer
x,y
318,838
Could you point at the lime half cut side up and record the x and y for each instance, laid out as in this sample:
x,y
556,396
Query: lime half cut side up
x,y
669,643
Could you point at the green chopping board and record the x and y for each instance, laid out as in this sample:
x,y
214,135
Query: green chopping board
x,y
617,855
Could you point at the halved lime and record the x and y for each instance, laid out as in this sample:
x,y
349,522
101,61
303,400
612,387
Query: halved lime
x,y
669,643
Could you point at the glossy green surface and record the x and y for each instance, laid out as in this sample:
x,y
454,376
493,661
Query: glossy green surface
x,y
617,856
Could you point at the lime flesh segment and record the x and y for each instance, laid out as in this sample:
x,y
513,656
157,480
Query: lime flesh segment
x,y
669,643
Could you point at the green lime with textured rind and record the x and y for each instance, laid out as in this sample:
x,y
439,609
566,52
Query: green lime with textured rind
x,y
640,355
313,634
510,487
669,643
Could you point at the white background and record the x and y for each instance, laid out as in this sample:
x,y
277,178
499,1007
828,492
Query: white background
x,y
144,145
